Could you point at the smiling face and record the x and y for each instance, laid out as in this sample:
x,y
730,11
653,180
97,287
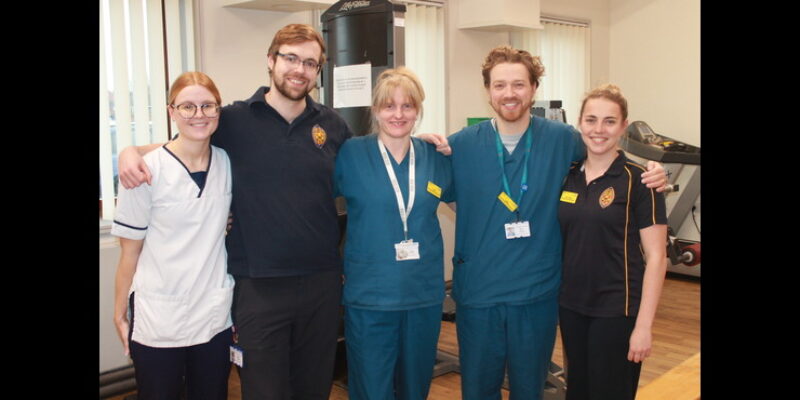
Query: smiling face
x,y
294,81
602,125
397,117
199,127
510,91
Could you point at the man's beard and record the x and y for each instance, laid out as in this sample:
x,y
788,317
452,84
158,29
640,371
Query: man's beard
x,y
508,115
283,88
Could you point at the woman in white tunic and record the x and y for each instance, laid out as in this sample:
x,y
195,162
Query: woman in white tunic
x,y
173,292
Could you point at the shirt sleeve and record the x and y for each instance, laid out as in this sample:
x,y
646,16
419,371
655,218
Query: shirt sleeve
x,y
218,137
132,215
649,206
338,170
445,172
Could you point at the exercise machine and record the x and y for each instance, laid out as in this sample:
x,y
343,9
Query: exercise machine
x,y
366,36
681,162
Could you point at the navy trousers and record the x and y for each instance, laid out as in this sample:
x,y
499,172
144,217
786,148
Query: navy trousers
x,y
163,372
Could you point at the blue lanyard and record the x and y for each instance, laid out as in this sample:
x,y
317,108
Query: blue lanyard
x,y
524,181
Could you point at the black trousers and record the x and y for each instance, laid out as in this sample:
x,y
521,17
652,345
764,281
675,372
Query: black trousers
x,y
596,350
287,329
162,373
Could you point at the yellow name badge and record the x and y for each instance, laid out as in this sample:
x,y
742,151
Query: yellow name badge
x,y
569,197
510,204
434,190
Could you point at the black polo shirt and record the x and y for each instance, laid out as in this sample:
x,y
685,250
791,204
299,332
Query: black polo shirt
x,y
285,221
603,265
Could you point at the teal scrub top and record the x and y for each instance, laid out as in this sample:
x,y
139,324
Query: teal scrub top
x,y
373,278
489,269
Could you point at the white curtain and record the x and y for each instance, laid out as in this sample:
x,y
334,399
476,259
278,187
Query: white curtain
x,y
133,77
564,51
424,54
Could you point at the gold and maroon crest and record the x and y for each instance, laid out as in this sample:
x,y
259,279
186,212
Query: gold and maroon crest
x,y
319,136
607,197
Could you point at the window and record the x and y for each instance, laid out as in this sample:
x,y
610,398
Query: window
x,y
563,48
144,44
424,53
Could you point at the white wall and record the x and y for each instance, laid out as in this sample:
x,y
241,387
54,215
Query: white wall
x,y
466,49
655,59
232,45
650,48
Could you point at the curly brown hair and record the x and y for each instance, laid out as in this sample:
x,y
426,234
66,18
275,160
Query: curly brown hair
x,y
508,54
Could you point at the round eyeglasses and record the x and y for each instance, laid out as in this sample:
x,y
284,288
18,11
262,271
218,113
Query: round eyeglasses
x,y
295,60
189,110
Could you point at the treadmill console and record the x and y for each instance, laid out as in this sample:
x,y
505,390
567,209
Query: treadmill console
x,y
642,141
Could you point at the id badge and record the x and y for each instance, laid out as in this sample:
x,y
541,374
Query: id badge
x,y
406,250
237,355
519,229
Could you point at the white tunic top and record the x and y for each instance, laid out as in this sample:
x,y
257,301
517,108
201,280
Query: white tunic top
x,y
183,290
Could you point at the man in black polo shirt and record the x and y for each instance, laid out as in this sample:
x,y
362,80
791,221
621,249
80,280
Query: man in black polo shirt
x,y
283,245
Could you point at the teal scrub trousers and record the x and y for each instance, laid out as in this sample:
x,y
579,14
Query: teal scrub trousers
x,y
391,354
521,336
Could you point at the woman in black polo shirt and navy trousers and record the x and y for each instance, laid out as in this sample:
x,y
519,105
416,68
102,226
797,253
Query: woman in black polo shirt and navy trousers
x,y
614,231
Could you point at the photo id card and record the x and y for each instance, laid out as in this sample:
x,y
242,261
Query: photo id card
x,y
237,356
406,250
519,229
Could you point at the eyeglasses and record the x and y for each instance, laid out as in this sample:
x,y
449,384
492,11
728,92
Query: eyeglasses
x,y
294,60
188,110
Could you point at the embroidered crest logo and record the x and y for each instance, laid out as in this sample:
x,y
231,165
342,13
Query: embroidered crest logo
x,y
607,197
319,136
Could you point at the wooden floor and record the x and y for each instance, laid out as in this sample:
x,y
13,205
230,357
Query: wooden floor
x,y
676,338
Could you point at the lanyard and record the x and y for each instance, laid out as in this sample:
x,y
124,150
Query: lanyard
x,y
501,159
404,212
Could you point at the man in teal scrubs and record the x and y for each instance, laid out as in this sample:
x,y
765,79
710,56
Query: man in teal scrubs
x,y
508,173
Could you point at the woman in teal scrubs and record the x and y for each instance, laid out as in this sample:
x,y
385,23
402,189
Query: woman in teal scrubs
x,y
393,257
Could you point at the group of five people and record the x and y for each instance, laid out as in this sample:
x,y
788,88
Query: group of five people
x,y
531,196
